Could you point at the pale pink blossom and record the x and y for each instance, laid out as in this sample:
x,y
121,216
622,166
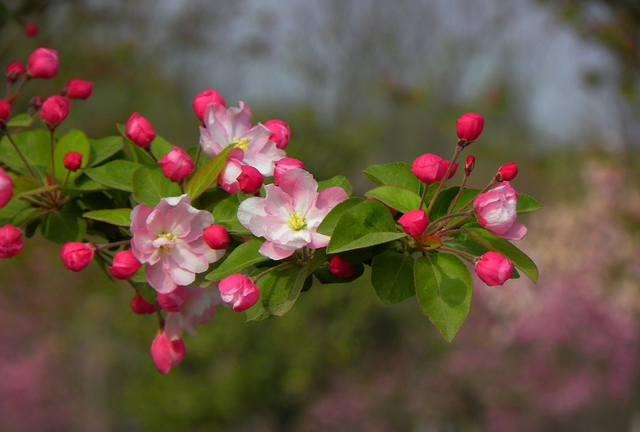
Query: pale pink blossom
x,y
496,212
195,309
225,127
168,240
290,214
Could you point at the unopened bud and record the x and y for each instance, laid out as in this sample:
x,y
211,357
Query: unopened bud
x,y
30,29
43,63
414,222
469,165
250,179
6,188
142,307
202,100
11,242
176,165
36,103
216,237
340,267
139,130
507,172
72,161
14,71
280,133
171,302
78,89
469,127
166,354
54,110
76,256
125,265
284,165
5,111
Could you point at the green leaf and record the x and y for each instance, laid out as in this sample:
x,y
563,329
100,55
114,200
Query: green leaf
x,y
466,196
368,223
13,208
280,289
64,226
242,257
150,185
329,222
119,217
324,275
23,184
337,181
257,312
160,147
465,244
34,146
20,121
395,197
225,214
444,288
104,148
75,141
83,185
526,204
39,191
496,244
441,207
207,175
392,277
145,290
116,174
394,174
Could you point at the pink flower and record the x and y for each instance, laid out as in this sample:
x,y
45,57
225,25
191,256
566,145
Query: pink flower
x,y
176,165
140,306
168,239
507,172
43,63
139,130
196,308
171,301
78,89
414,222
239,292
236,176
225,127
216,237
469,127
6,188
166,354
340,267
280,133
205,98
125,265
290,214
494,269
496,211
429,168
14,71
76,256
72,161
54,110
284,165
11,243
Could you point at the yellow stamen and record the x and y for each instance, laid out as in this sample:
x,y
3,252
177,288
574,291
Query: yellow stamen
x,y
169,237
241,144
296,222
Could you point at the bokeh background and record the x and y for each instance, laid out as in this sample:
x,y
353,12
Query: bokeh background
x,y
360,82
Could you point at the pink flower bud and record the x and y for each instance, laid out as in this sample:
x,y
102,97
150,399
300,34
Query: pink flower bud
x,y
76,256
216,237
446,164
142,307
340,267
470,127
78,89
469,165
414,222
36,103
43,63
393,211
428,168
166,354
72,161
6,188
54,110
497,212
30,29
507,172
205,98
171,302
176,165
5,111
14,71
139,130
250,179
284,165
11,243
239,292
125,265
280,133
493,269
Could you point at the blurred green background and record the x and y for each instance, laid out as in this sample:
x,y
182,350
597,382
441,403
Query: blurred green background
x,y
360,82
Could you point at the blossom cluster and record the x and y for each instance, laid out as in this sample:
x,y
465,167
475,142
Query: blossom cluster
x,y
236,222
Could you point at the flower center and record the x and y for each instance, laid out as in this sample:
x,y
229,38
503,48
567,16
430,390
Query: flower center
x,y
241,144
296,222
169,237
